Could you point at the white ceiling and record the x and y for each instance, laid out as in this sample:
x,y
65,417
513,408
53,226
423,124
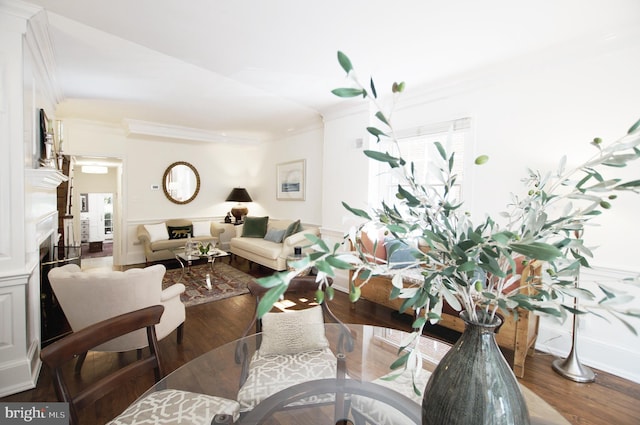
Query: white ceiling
x,y
259,68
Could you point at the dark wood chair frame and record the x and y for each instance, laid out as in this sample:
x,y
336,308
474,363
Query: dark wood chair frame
x,y
65,350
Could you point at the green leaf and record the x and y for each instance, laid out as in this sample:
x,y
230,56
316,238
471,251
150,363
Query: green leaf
x,y
338,264
383,157
373,89
354,294
330,292
630,184
319,296
382,118
397,87
325,267
539,250
348,92
376,132
357,212
441,150
400,361
634,127
419,322
482,159
270,298
317,241
344,61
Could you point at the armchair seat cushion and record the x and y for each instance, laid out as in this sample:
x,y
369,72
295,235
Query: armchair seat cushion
x,y
177,407
269,374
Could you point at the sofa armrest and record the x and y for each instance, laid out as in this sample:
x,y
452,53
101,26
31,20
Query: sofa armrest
x,y
143,235
172,291
299,237
216,230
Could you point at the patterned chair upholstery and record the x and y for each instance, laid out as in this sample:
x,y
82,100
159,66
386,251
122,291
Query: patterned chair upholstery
x,y
370,411
178,407
293,349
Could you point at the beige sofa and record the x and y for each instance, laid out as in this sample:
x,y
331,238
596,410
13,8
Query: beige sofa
x,y
157,245
267,253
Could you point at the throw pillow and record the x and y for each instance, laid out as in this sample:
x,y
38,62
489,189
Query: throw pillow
x,y
291,229
255,227
399,254
293,331
201,228
157,232
274,235
180,232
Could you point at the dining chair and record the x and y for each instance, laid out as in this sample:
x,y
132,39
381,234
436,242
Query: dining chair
x,y
165,406
292,347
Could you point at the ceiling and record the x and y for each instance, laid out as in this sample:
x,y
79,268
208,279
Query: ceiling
x,y
253,70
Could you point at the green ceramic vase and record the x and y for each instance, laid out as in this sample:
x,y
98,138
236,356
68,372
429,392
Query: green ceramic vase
x,y
473,384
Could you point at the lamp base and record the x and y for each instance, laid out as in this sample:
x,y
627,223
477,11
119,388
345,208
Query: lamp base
x,y
238,212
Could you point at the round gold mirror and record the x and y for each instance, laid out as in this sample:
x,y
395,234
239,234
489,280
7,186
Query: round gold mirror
x,y
181,182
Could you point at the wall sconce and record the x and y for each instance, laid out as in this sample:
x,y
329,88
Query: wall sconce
x,y
239,194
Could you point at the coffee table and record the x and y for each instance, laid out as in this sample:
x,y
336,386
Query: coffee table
x,y
188,258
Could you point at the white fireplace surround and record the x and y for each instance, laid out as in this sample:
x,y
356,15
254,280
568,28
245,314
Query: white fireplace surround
x,y
29,216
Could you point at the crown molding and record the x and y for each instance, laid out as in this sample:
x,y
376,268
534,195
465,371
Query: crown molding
x,y
165,131
19,9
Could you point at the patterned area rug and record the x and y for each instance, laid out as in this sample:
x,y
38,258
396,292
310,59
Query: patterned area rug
x,y
226,282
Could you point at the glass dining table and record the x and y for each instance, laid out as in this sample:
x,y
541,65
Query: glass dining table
x,y
219,372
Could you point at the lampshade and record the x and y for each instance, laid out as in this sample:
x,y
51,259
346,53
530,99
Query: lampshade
x,y
239,194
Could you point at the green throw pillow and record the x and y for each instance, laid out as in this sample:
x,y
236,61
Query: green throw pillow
x,y
255,227
291,229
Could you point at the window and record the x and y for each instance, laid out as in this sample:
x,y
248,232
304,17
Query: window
x,y
417,146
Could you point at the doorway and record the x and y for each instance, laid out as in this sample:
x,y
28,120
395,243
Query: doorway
x,y
97,225
97,209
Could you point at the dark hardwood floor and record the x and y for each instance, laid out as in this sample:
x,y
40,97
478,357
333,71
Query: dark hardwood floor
x,y
609,401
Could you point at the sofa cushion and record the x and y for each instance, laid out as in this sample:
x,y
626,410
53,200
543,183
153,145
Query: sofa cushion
x,y
400,254
255,227
157,232
292,228
275,235
180,232
259,247
201,228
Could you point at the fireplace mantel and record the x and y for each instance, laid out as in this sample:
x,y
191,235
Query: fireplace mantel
x,y
44,178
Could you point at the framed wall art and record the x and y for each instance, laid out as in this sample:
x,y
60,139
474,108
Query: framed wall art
x,y
290,181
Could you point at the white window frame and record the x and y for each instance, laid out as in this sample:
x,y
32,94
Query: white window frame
x,y
454,134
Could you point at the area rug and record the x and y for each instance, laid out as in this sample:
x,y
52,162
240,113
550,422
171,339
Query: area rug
x,y
226,281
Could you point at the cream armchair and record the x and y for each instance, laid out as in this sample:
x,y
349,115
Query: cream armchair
x,y
88,297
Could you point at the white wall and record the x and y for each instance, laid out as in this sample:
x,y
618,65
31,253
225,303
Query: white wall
x,y
305,145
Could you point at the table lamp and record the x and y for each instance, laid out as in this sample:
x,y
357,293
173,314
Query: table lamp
x,y
239,194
